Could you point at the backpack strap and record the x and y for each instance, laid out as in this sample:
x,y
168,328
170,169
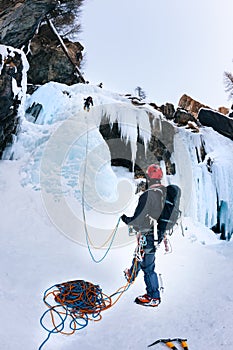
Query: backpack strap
x,y
157,188
152,220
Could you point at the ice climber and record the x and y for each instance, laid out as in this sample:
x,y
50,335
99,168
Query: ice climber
x,y
149,206
87,103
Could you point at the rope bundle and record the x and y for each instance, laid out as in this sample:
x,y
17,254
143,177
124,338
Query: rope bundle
x,y
82,297
77,301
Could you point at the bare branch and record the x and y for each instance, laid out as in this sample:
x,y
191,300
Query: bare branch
x,y
65,18
228,82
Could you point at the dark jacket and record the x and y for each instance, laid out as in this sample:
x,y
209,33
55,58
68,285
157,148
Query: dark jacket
x,y
150,204
88,101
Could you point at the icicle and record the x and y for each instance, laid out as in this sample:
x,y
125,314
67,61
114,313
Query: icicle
x,y
130,119
209,177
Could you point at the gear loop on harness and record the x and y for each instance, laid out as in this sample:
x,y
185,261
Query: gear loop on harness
x,y
142,240
139,250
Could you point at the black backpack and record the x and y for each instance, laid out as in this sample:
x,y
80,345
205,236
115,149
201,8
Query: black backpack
x,y
171,212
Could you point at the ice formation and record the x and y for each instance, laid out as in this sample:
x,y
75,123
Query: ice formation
x,y
203,160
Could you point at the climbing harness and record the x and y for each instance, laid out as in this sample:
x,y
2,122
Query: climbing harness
x,y
139,250
170,344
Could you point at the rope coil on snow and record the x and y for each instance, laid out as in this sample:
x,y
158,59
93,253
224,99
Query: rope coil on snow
x,y
77,302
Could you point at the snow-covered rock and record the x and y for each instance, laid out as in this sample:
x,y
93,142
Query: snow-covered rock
x,y
13,69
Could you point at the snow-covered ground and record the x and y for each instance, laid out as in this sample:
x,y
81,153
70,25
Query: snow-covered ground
x,y
197,302
40,248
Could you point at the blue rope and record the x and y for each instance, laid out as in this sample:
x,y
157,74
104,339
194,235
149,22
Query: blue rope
x,y
109,247
79,300
83,206
55,329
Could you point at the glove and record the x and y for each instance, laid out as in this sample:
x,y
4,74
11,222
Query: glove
x,y
124,218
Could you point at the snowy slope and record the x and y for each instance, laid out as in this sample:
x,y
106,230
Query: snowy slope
x,y
38,252
196,304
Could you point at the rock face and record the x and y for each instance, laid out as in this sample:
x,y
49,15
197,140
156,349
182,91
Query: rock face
x,y
161,145
12,90
223,110
190,105
159,148
19,20
187,110
182,117
219,122
168,110
47,53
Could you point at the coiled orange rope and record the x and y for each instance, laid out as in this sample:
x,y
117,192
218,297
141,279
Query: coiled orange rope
x,y
75,303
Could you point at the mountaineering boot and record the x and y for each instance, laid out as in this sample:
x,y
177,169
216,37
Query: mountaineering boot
x,y
146,300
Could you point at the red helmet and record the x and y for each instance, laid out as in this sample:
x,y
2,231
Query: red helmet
x,y
154,172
